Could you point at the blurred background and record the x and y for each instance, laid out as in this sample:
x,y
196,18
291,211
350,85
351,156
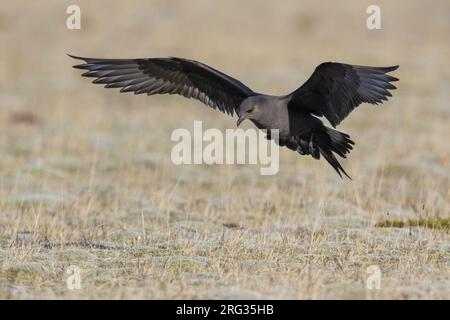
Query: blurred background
x,y
81,163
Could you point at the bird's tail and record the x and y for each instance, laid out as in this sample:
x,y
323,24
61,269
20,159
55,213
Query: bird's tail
x,y
330,141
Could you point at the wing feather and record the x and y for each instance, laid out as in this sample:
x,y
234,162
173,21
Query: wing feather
x,y
184,77
335,89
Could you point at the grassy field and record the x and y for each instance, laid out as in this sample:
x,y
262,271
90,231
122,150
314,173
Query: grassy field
x,y
86,178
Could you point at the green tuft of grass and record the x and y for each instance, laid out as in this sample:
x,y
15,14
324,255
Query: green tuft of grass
x,y
442,224
23,273
183,265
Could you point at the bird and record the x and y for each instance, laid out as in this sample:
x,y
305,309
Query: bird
x,y
332,91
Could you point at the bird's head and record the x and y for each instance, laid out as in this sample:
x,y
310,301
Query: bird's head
x,y
248,109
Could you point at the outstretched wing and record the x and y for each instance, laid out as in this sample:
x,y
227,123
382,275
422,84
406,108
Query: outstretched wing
x,y
335,89
188,78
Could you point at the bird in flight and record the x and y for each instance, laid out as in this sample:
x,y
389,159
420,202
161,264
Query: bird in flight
x,y
332,91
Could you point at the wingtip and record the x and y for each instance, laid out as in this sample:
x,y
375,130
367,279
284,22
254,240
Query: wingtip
x,y
75,57
391,78
78,66
393,68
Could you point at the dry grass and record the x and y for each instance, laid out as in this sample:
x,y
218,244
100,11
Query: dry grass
x,y
86,177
